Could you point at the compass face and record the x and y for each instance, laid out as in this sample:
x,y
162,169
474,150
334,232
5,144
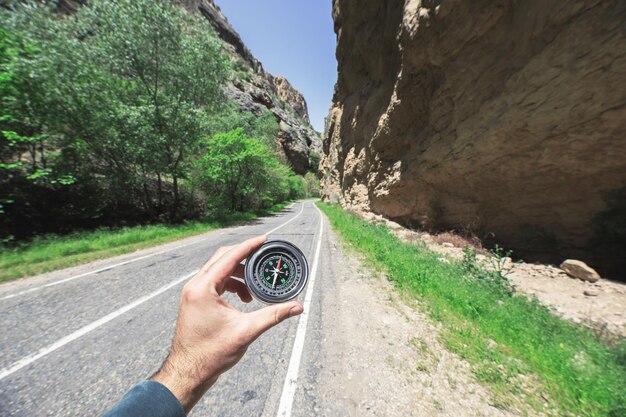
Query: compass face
x,y
276,272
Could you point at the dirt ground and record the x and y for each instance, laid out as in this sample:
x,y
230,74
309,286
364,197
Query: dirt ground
x,y
600,305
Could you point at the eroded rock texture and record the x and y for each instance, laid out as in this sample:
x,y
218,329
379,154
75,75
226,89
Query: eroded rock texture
x,y
257,90
286,92
504,118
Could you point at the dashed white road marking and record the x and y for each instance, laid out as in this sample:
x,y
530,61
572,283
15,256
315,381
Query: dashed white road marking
x,y
291,379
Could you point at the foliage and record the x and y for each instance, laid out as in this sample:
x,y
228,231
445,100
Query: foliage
x,y
47,253
106,113
297,186
314,159
112,117
238,172
516,344
263,128
493,271
311,185
242,70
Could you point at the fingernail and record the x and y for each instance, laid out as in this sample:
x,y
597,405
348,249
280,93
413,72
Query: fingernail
x,y
295,310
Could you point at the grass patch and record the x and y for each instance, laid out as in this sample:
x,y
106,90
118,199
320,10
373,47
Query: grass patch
x,y
527,355
52,252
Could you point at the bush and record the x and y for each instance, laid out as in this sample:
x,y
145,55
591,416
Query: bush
x,y
239,173
311,185
263,128
314,159
297,187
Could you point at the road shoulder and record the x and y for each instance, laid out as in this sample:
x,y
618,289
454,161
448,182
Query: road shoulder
x,y
377,356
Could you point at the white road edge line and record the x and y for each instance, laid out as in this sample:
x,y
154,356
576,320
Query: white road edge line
x,y
64,280
291,379
27,360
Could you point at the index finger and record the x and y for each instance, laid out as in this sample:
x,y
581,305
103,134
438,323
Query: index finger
x,y
223,267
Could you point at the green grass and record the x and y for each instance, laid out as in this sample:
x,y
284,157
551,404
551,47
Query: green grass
x,y
49,253
538,361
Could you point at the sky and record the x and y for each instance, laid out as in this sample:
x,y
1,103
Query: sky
x,y
292,38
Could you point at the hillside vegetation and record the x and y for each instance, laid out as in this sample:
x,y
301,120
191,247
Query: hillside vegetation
x,y
115,116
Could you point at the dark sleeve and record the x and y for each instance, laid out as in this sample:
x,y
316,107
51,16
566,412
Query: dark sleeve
x,y
147,399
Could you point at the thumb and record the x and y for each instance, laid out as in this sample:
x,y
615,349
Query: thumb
x,y
268,317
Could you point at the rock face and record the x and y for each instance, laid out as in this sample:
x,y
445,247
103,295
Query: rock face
x,y
288,94
506,118
257,90
224,30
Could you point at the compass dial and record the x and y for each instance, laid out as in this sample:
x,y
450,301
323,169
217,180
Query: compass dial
x,y
276,272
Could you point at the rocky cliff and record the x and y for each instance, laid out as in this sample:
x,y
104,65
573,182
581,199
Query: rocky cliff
x,y
255,89
505,118
288,94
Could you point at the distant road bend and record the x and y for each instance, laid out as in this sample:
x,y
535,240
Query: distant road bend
x,y
73,341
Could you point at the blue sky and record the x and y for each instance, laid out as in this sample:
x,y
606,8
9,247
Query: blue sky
x,y
293,38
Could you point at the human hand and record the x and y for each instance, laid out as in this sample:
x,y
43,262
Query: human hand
x,y
211,335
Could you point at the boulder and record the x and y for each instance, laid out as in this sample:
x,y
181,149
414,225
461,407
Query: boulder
x,y
580,270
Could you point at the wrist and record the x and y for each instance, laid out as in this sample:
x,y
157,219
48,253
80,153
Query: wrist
x,y
187,389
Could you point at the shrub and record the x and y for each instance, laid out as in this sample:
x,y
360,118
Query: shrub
x,y
237,173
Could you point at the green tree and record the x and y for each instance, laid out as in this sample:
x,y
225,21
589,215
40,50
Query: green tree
x,y
263,127
314,159
116,98
238,173
311,185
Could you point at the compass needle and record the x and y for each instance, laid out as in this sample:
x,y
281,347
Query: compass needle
x,y
276,272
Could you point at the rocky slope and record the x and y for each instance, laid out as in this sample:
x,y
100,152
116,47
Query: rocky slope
x,y
255,89
503,118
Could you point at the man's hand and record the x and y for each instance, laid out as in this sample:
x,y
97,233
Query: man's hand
x,y
211,335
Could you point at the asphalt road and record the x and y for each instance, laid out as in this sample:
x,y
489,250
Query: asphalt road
x,y
73,342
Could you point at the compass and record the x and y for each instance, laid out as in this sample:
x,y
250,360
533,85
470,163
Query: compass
x,y
276,272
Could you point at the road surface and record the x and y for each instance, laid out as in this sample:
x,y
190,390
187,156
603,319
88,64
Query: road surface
x,y
73,341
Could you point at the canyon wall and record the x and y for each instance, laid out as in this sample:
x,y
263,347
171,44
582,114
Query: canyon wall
x,y
501,118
